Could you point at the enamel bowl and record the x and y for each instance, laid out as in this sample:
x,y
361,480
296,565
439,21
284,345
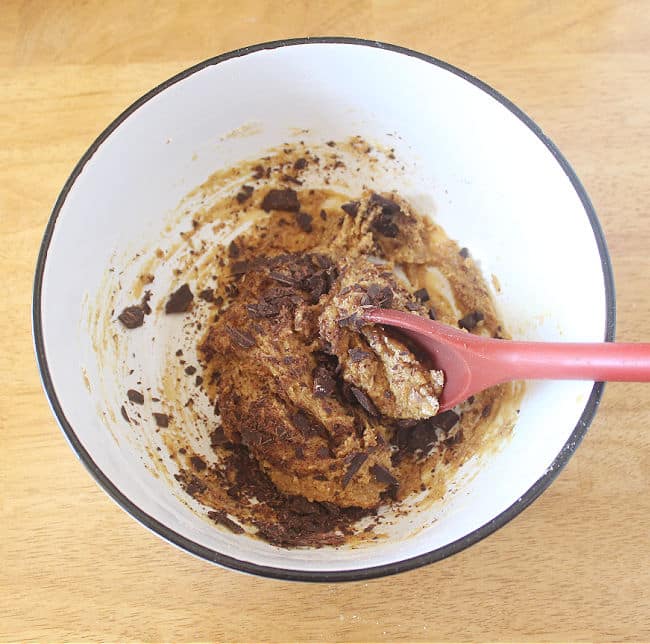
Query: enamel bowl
x,y
497,185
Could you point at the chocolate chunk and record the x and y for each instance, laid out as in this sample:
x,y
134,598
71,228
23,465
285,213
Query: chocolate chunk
x,y
432,314
364,401
331,144
135,396
351,322
470,321
290,179
283,278
241,338
286,200
357,355
412,306
464,252
240,268
351,208
421,294
198,381
233,250
221,518
316,285
324,383
300,164
190,370
198,463
323,215
217,437
384,223
383,475
124,414
421,437
207,294
194,486
323,452
445,420
132,317
179,352
485,412
355,465
263,309
385,226
379,296
180,300
258,172
300,505
145,302
245,193
302,423
304,221
162,420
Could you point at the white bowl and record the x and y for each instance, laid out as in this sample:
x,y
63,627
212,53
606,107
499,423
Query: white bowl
x,y
499,187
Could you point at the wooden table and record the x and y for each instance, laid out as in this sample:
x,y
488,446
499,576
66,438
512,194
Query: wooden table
x,y
576,565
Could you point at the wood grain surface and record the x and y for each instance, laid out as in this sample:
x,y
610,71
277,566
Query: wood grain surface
x,y
574,566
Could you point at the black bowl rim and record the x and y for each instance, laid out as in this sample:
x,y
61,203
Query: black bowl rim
x,y
342,575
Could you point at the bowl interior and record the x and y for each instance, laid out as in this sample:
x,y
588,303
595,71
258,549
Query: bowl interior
x,y
486,176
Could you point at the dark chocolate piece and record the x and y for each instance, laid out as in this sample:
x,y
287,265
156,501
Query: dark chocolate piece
x,y
244,194
357,355
198,463
300,164
135,396
124,414
194,486
355,465
351,322
304,221
290,179
421,294
162,420
190,370
351,208
471,320
384,223
445,420
263,309
207,294
180,300
241,338
145,302
233,250
221,518
285,200
239,268
217,437
132,317
464,252
364,401
383,475
323,452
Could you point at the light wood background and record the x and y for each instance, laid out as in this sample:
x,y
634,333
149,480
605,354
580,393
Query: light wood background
x,y
574,566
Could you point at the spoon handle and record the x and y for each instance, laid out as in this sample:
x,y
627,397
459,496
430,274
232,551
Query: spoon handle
x,y
572,361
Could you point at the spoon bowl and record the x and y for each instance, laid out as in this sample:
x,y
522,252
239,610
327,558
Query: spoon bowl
x,y
472,363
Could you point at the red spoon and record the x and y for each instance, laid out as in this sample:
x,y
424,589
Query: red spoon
x,y
472,363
